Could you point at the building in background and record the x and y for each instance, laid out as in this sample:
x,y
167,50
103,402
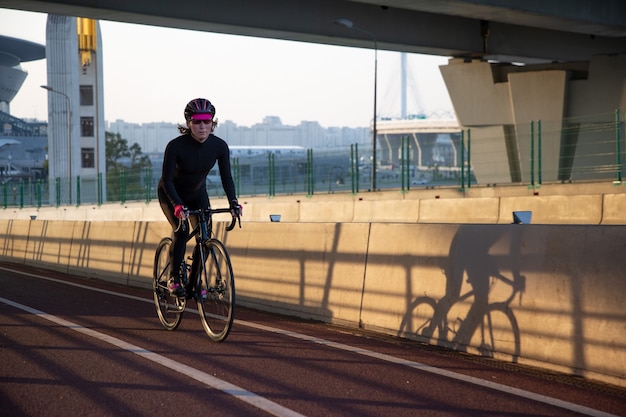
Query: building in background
x,y
22,142
153,137
13,52
76,130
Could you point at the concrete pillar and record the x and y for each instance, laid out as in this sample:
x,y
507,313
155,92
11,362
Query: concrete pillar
x,y
63,146
498,102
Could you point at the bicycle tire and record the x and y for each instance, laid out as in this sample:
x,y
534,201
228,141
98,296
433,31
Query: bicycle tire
x,y
215,291
169,308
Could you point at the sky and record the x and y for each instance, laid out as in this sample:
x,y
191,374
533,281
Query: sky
x,y
151,72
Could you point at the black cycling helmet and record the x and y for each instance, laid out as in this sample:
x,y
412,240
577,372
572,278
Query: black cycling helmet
x,y
199,106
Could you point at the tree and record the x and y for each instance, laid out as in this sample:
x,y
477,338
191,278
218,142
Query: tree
x,y
116,148
126,168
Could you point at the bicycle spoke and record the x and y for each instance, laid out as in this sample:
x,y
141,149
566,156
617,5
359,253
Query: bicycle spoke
x,y
217,303
169,308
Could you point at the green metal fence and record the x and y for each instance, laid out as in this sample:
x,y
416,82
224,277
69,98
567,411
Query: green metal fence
x,y
575,149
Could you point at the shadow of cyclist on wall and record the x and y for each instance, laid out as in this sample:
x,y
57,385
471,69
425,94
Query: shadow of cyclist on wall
x,y
478,254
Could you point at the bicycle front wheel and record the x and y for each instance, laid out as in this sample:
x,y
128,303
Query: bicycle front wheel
x,y
169,308
215,291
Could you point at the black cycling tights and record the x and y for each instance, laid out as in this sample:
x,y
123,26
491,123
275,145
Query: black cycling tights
x,y
180,233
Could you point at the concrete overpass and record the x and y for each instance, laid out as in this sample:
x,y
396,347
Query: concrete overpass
x,y
504,30
574,56
422,135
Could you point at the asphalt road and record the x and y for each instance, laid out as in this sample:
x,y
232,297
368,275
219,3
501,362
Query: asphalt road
x,y
79,347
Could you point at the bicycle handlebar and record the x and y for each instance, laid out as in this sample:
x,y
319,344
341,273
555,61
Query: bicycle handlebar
x,y
210,211
235,219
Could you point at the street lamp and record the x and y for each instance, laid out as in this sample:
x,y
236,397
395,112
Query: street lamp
x,y
350,25
69,136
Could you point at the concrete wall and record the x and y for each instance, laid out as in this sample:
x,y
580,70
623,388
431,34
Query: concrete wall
x,y
545,295
582,203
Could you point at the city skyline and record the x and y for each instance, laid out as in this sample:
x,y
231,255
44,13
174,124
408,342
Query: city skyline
x,y
152,137
246,78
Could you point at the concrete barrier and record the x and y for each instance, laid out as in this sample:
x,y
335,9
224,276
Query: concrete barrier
x,y
585,203
554,209
50,243
471,210
312,270
15,236
404,211
259,210
542,295
322,210
545,295
614,209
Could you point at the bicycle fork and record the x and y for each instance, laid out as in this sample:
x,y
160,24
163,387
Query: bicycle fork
x,y
198,270
213,270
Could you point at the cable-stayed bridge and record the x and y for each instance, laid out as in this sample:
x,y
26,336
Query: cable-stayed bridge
x,y
430,137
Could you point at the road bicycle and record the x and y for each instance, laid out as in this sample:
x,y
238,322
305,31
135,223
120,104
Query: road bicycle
x,y
207,276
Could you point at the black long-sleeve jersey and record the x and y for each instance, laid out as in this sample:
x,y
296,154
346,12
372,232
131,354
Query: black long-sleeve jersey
x,y
186,164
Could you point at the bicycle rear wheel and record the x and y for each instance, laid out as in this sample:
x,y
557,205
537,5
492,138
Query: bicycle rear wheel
x,y
169,308
215,291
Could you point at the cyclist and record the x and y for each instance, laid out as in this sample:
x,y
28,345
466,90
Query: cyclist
x,y
186,163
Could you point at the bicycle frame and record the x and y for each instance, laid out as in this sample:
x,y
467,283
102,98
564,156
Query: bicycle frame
x,y
203,230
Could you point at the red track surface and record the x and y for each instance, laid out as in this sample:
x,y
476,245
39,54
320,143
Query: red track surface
x,y
105,354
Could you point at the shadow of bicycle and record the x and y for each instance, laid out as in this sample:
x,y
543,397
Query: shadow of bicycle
x,y
483,277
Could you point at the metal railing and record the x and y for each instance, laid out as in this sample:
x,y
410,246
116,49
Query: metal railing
x,y
569,150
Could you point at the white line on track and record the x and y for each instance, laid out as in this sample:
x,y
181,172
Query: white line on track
x,y
211,381
261,402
